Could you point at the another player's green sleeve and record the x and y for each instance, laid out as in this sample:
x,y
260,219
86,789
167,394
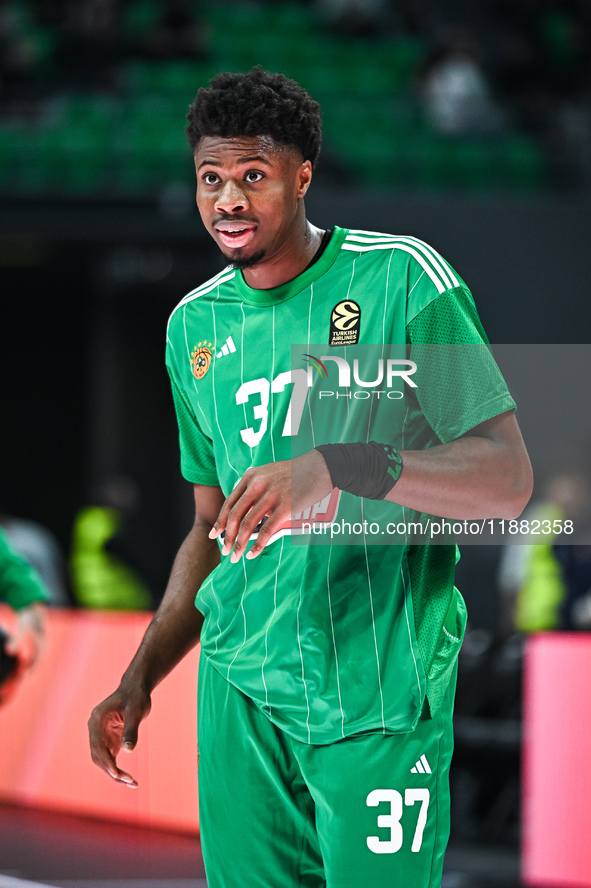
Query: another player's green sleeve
x,y
20,584
459,384
197,456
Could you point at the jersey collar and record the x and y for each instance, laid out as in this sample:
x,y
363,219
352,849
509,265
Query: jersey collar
x,y
299,283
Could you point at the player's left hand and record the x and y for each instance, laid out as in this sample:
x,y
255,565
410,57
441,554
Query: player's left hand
x,y
275,491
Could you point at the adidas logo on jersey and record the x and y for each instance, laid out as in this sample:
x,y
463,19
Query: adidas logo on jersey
x,y
422,766
227,348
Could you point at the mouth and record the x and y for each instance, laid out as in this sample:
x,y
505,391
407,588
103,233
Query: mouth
x,y
235,234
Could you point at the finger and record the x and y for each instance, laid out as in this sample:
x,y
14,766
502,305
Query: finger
x,y
108,764
246,513
129,736
220,522
270,527
104,756
249,524
125,778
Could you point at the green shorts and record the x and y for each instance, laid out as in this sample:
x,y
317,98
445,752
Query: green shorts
x,y
371,811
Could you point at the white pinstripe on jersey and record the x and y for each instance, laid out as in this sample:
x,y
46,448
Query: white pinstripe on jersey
x,y
272,400
207,424
334,642
308,400
215,403
243,561
373,625
242,367
302,661
226,275
268,626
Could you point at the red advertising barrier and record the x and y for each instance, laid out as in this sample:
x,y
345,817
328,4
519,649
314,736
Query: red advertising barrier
x,y
557,761
44,755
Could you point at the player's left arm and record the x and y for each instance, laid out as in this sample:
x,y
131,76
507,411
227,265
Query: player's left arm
x,y
485,473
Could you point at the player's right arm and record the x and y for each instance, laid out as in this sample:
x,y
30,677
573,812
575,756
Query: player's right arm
x,y
173,632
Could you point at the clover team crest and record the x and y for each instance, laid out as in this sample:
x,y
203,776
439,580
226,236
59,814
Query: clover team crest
x,y
201,359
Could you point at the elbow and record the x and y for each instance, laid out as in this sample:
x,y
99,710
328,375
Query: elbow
x,y
518,492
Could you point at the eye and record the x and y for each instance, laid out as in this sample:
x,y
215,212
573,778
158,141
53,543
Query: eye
x,y
253,176
210,178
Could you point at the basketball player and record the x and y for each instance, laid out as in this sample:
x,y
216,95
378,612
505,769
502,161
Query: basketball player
x,y
327,671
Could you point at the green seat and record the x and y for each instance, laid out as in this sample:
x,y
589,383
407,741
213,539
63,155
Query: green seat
x,y
524,164
140,77
140,17
82,159
429,164
472,165
15,151
293,18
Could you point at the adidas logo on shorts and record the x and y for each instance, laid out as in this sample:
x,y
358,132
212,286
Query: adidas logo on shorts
x,y
422,766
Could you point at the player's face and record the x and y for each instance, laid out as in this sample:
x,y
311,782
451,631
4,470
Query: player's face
x,y
249,192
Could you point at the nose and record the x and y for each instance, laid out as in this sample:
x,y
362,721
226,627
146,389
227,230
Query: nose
x,y
231,198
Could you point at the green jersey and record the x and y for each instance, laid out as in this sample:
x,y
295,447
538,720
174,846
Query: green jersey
x,y
328,640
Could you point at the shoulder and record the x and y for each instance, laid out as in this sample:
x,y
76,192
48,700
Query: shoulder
x,y
409,250
210,286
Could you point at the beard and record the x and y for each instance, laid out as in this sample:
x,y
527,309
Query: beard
x,y
241,262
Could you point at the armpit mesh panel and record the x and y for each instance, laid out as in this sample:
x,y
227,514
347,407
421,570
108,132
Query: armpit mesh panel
x,y
459,384
450,318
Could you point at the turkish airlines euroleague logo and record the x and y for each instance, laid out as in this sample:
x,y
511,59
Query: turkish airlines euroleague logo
x,y
345,321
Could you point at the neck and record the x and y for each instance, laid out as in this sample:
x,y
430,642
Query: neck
x,y
288,261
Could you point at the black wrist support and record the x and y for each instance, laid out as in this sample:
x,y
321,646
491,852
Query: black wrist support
x,y
368,470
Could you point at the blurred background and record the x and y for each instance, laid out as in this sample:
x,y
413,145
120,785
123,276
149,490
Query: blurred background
x,y
467,125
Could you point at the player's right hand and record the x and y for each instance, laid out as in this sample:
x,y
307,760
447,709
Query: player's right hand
x,y
113,726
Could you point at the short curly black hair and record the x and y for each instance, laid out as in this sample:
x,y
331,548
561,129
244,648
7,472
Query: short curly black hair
x,y
258,103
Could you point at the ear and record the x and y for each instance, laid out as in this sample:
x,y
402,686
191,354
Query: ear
x,y
304,177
